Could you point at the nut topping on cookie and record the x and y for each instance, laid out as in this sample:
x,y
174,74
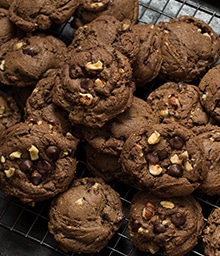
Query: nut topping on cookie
x,y
86,98
94,66
148,211
2,65
33,152
167,204
16,154
10,172
154,138
155,169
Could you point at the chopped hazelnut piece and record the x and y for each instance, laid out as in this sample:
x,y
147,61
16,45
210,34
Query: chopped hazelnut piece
x,y
16,154
167,204
175,159
86,98
188,166
2,159
10,172
33,152
154,138
94,66
79,202
99,83
155,169
2,65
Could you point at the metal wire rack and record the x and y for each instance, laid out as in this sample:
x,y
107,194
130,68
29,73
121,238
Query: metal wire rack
x,y
23,230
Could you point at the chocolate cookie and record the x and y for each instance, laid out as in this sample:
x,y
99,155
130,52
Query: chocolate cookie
x,y
8,29
37,162
9,111
40,15
172,226
210,88
168,159
178,102
94,85
183,60
26,60
85,217
210,137
107,30
111,137
39,106
5,3
123,10
211,231
148,60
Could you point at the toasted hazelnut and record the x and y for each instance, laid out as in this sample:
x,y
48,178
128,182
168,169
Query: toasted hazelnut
x,y
154,138
95,186
99,83
184,155
175,159
33,152
173,101
2,110
2,65
125,26
164,113
9,172
207,35
148,211
167,204
2,159
142,230
96,5
155,169
79,202
188,166
16,154
94,66
86,98
18,45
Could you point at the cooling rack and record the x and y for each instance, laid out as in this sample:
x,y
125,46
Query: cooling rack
x,y
23,229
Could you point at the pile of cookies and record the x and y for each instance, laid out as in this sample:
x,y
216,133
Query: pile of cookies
x,y
56,98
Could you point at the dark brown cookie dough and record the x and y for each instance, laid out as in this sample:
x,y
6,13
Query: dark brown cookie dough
x,y
168,159
172,226
5,3
210,88
39,106
148,60
8,29
24,61
123,10
85,217
111,137
107,30
210,137
36,162
183,60
9,112
94,85
179,102
211,232
40,15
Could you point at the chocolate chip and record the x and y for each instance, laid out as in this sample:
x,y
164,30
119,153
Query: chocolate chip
x,y
86,83
27,166
159,228
43,167
30,51
152,158
36,178
178,219
176,142
175,170
53,152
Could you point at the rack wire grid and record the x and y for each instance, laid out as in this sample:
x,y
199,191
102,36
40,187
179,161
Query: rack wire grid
x,y
23,229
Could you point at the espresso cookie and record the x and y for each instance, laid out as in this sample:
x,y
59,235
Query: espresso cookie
x,y
178,102
148,60
183,60
85,217
9,111
37,162
123,10
39,106
26,60
168,159
172,226
211,233
210,137
42,14
107,30
8,29
111,137
210,88
94,85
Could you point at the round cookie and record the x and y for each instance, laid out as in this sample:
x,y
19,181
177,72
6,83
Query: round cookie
x,y
94,85
148,60
179,102
42,14
210,88
111,137
9,112
39,106
210,137
123,10
107,30
26,60
37,162
8,29
85,217
167,159
172,226
183,60
211,231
